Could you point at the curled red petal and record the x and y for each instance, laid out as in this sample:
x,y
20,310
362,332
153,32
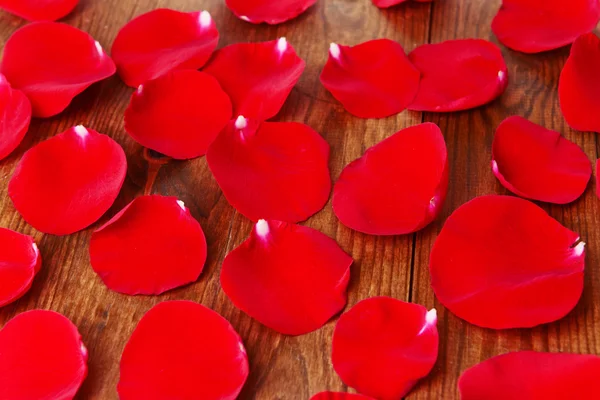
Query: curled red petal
x,y
183,350
67,182
271,170
534,26
290,278
39,10
43,357
537,163
579,85
529,375
151,246
383,346
269,11
178,114
339,396
258,77
142,50
458,75
518,267
398,186
20,260
374,79
52,63
15,114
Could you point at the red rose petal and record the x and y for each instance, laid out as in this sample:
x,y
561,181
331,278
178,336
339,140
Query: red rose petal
x,y
66,183
136,251
374,79
20,260
533,26
43,357
458,75
142,50
15,114
518,267
269,11
339,396
178,114
390,3
529,375
289,277
272,170
579,85
39,10
398,186
183,350
259,88
538,163
52,63
383,346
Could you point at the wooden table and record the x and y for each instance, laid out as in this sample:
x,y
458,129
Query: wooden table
x,y
297,367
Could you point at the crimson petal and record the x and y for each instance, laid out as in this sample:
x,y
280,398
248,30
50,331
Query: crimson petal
x,y
534,26
390,3
529,375
458,75
142,50
537,163
134,252
52,63
383,346
15,114
20,260
272,170
269,11
43,357
374,79
183,350
579,85
518,267
290,278
178,114
398,186
339,396
66,183
259,88
39,10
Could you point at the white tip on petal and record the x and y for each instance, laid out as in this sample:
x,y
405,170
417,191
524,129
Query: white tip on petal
x,y
578,250
205,19
262,228
35,249
81,131
2,79
501,75
181,204
494,166
140,89
244,18
334,50
430,320
83,349
241,122
99,49
433,203
282,45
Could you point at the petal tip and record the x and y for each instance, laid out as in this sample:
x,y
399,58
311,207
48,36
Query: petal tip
x,y
262,228
205,19
579,249
334,50
241,122
181,204
282,44
81,131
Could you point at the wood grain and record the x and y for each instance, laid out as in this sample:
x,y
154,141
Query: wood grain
x,y
297,367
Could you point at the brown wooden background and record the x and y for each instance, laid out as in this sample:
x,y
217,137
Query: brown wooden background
x,y
297,367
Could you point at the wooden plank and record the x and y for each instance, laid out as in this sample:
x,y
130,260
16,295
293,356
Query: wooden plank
x,y
532,93
281,367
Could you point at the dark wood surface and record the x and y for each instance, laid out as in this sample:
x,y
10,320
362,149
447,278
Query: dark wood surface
x,y
297,367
